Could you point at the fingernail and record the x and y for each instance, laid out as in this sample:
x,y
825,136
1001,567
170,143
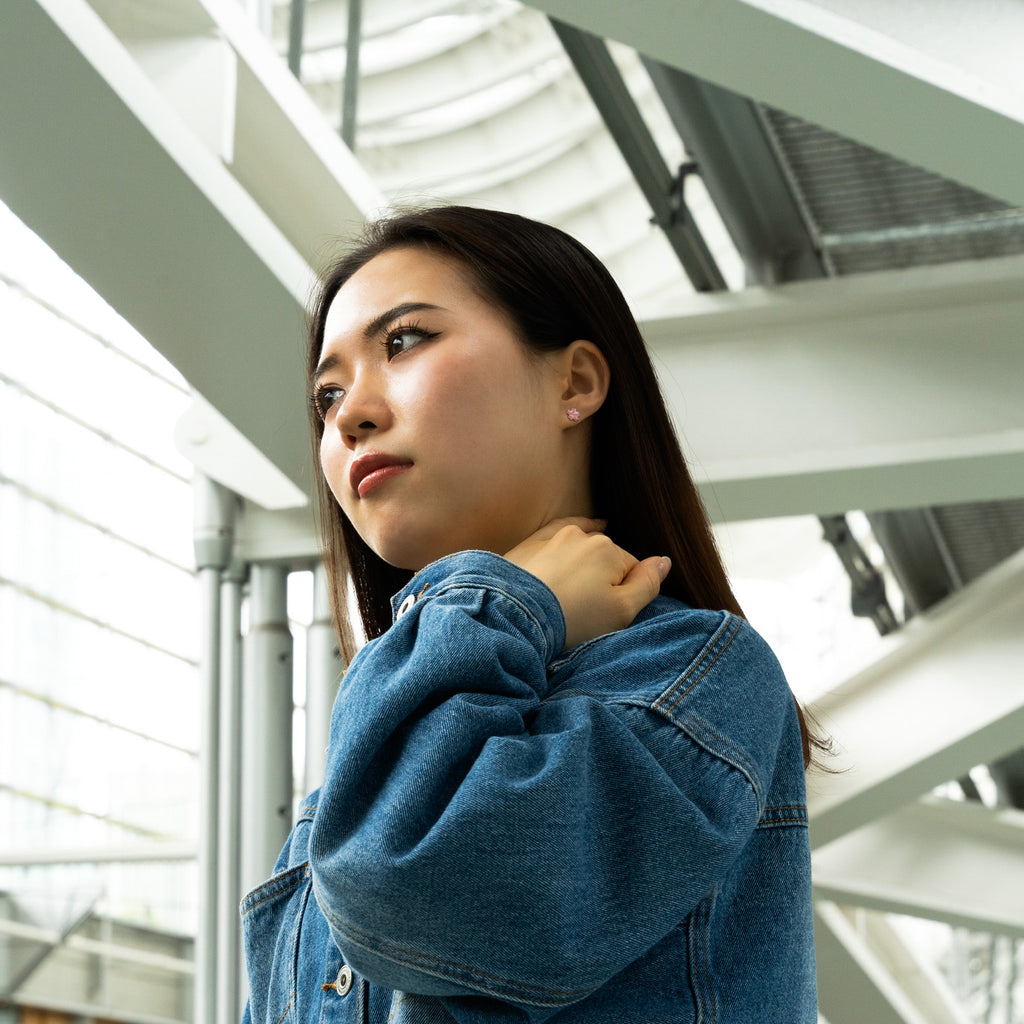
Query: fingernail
x,y
664,564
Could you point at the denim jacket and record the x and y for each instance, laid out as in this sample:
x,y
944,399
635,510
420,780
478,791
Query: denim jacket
x,y
510,832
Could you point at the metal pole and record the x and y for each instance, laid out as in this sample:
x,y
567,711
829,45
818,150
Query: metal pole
x,y
206,937
350,90
229,814
214,508
665,193
323,670
296,26
266,724
724,133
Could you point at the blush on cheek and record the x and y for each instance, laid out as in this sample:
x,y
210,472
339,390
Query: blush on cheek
x,y
333,476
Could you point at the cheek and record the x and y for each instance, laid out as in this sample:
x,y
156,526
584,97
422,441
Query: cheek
x,y
443,400
488,394
334,466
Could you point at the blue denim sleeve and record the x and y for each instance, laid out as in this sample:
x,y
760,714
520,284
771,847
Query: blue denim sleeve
x,y
473,840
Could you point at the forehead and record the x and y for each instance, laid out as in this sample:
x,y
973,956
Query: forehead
x,y
396,277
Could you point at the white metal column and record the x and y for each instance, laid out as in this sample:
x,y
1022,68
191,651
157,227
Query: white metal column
x,y
214,508
324,667
229,814
267,707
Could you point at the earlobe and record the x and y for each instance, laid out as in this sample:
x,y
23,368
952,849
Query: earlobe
x,y
586,377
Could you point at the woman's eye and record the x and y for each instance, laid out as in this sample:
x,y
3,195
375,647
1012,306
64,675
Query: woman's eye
x,y
326,399
404,338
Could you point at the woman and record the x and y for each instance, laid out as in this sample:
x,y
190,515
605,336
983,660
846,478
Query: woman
x,y
565,779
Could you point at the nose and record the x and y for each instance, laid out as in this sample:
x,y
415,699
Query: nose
x,y
364,410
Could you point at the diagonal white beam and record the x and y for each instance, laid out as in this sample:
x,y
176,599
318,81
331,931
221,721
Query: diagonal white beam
x,y
167,212
853,984
941,859
905,81
947,696
880,391
869,973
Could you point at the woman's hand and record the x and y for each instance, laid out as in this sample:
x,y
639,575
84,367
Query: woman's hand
x,y
600,587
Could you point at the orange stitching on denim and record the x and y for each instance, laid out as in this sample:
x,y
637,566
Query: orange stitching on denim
x,y
277,888
391,1016
686,675
768,814
287,1008
727,747
700,734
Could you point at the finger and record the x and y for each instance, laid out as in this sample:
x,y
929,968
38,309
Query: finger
x,y
643,581
554,526
586,524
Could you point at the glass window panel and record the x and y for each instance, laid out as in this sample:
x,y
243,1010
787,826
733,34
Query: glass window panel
x,y
98,671
94,574
90,381
101,771
156,893
65,463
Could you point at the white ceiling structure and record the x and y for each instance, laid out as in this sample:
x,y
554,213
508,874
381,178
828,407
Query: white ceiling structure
x,y
164,150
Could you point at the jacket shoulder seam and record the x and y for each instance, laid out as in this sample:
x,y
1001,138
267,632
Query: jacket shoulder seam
x,y
719,643
711,742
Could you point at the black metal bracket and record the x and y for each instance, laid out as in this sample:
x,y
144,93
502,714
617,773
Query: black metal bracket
x,y
676,193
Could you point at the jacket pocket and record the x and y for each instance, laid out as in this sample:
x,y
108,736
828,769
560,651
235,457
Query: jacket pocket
x,y
271,922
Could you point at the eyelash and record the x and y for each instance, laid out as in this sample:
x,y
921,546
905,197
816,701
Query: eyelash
x,y
406,328
318,399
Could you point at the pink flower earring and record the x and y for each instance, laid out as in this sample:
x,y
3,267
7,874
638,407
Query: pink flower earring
x,y
573,414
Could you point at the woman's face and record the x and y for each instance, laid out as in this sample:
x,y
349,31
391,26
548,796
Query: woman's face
x,y
442,431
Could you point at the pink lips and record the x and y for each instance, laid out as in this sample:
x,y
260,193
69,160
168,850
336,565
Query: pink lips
x,y
374,468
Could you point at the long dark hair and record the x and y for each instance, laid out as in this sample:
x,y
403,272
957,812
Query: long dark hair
x,y
554,290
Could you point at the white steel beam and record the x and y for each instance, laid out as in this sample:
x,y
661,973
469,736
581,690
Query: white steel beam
x,y
941,859
881,391
141,853
853,984
869,974
905,81
97,947
947,696
196,223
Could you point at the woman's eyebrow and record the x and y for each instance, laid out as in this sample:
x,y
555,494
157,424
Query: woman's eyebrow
x,y
378,323
374,327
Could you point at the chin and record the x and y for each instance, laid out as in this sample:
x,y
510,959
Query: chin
x,y
413,554
409,556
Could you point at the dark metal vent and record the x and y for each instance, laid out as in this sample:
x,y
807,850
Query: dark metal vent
x,y
871,211
979,535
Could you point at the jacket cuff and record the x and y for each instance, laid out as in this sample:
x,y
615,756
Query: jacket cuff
x,y
487,571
